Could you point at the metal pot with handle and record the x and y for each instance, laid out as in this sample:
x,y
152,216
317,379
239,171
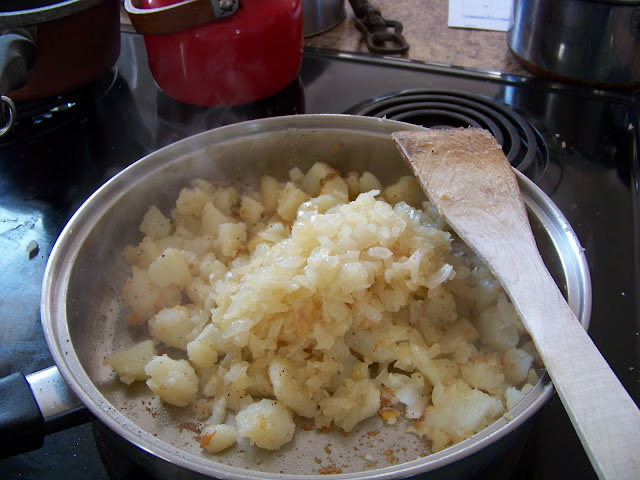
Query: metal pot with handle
x,y
48,48
593,42
84,317
220,52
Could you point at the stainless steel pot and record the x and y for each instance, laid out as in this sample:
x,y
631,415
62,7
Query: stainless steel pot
x,y
322,15
596,42
84,319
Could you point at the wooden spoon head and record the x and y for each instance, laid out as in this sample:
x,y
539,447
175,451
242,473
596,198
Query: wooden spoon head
x,y
467,177
462,171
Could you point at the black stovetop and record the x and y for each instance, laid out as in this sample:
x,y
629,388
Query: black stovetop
x,y
587,162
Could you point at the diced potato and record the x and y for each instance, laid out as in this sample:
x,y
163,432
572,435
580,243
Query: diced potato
x,y
155,224
174,381
406,189
458,410
335,187
312,183
516,364
368,181
440,306
352,179
530,348
289,200
225,199
218,411
170,268
231,238
512,397
484,374
296,175
201,353
130,363
462,330
143,254
497,325
212,268
199,291
267,423
351,403
290,389
212,218
145,297
269,193
251,210
203,185
191,201
216,438
174,326
412,392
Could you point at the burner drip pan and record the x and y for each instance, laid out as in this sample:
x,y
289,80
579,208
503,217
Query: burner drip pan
x,y
523,145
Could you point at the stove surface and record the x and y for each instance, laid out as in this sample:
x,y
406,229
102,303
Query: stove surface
x,y
585,157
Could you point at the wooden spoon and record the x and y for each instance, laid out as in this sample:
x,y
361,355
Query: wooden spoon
x,y
469,180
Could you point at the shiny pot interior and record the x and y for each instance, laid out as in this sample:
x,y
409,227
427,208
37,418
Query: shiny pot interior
x,y
84,318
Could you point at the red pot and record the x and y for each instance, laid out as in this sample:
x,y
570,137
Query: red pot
x,y
240,58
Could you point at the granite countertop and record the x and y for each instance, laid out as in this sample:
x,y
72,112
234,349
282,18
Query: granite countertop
x,y
429,37
427,32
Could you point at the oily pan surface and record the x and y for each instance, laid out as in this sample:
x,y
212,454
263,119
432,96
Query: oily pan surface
x,y
97,325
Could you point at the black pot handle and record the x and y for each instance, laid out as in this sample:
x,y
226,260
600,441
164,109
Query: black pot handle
x,y
17,55
34,406
21,421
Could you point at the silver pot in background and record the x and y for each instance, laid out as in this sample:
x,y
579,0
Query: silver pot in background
x,y
321,15
595,42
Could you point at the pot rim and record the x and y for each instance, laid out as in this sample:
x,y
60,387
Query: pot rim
x,y
65,251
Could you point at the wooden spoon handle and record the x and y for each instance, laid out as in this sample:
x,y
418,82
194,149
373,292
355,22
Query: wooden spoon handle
x,y
467,177
603,414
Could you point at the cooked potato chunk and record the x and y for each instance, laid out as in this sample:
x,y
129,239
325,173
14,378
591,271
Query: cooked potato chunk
x,y
175,326
231,238
216,438
212,218
457,410
251,210
517,364
498,327
266,423
155,224
290,389
130,363
170,268
289,200
145,297
312,182
174,381
225,199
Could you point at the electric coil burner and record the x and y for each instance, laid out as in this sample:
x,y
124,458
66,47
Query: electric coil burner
x,y
579,145
522,144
